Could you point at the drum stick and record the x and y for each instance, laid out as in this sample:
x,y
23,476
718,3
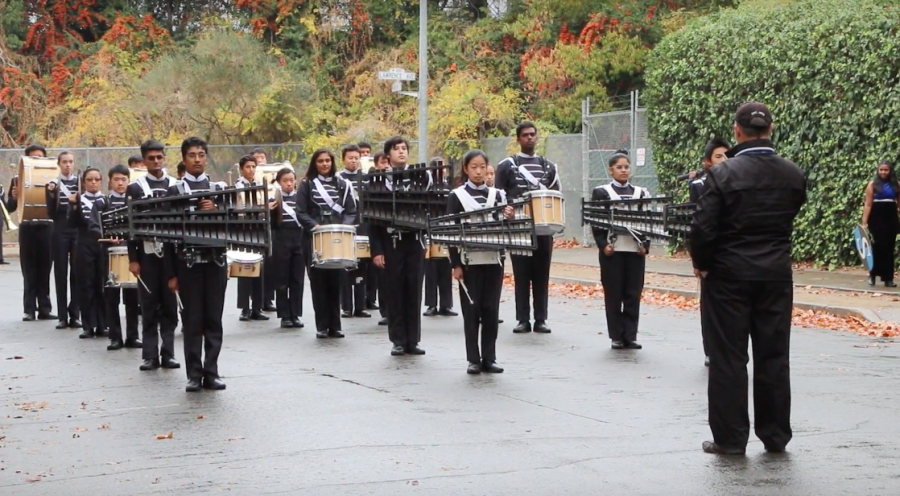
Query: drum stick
x,y
178,298
142,284
466,290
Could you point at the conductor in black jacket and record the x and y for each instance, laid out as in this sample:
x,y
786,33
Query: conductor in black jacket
x,y
740,244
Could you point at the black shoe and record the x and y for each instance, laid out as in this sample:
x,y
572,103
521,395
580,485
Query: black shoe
x,y
541,327
871,280
115,345
245,316
287,323
29,317
193,386
397,351
706,362
632,345
447,312
257,315
890,284
4,262
102,333
62,324
522,327
133,343
322,334
499,321
149,365
213,383
75,324
170,363
296,322
362,314
270,308
430,312
371,306
617,345
715,449
383,322
774,449
335,334
414,350
86,334
492,368
346,315
474,368
46,316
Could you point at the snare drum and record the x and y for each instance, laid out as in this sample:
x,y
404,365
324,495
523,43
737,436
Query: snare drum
x,y
119,275
548,209
243,264
334,246
34,174
362,247
437,251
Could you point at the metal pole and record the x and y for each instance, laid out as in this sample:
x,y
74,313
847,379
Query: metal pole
x,y
423,81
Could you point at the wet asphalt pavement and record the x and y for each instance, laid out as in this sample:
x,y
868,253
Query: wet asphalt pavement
x,y
343,417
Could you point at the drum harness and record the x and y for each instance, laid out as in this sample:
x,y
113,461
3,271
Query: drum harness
x,y
532,182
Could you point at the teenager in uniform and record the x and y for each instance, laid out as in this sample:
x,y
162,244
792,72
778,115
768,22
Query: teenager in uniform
x,y
375,291
159,310
249,288
262,158
35,256
401,254
88,266
365,149
489,176
622,260
287,253
118,183
59,192
480,271
528,171
740,244
353,282
130,295
180,170
438,281
323,198
198,275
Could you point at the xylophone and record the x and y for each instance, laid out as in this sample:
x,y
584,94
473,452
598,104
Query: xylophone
x,y
487,229
404,199
645,218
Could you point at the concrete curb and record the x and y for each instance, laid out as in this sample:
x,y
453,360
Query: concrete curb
x,y
860,313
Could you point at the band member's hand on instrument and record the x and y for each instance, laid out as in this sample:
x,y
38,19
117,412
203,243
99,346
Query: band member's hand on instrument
x,y
51,187
508,212
173,284
14,194
700,274
273,205
692,175
641,250
135,268
608,250
378,260
207,204
73,198
458,272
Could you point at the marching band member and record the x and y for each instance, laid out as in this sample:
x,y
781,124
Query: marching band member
x,y
135,162
480,271
118,183
365,149
59,193
35,256
438,280
324,198
262,158
376,281
130,295
249,288
287,253
516,175
622,260
198,275
401,254
353,283
489,180
89,263
159,309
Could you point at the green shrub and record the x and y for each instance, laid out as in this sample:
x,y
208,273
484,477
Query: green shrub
x,y
829,73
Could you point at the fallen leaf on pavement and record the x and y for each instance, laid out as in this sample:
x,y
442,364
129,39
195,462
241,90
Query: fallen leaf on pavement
x,y
164,436
199,417
36,478
235,438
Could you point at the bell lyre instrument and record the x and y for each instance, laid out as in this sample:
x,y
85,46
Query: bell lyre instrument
x,y
404,199
644,219
486,229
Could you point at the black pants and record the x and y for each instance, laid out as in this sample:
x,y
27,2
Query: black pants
x,y
372,284
739,311
383,295
325,285
403,274
485,283
269,280
63,250
704,319
113,296
90,277
288,267
250,289
622,276
532,275
353,287
202,289
884,239
35,259
438,275
159,309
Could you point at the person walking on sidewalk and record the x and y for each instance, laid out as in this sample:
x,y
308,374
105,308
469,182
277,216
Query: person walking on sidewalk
x,y
740,244
881,219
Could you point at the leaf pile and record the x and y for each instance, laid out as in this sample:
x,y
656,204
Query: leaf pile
x,y
561,243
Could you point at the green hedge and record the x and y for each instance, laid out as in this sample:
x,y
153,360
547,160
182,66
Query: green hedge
x,y
829,73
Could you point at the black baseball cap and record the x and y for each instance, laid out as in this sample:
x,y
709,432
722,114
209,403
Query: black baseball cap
x,y
753,115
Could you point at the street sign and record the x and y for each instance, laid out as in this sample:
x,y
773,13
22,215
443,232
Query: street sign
x,y
641,157
397,86
396,74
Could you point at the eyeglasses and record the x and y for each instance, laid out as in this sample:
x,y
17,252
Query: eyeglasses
x,y
156,158
194,155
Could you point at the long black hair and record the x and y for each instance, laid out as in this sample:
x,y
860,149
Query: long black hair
x,y
878,182
312,171
468,157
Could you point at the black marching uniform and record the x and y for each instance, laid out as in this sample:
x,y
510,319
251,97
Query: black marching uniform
x,y
322,201
515,176
112,295
741,238
404,259
250,289
159,309
354,283
483,277
438,283
202,279
695,189
88,267
288,265
35,259
622,273
63,248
